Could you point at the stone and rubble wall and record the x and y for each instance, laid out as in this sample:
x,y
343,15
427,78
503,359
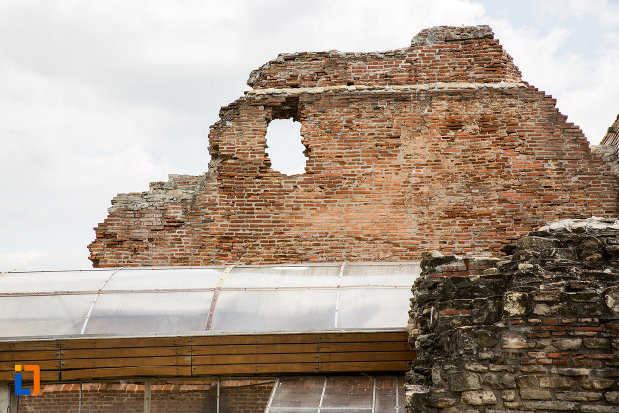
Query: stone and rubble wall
x,y
537,330
438,146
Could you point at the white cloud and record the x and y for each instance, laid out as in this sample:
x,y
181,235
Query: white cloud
x,y
581,79
604,11
18,260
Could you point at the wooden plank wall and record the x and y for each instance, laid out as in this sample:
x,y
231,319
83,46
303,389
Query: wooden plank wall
x,y
196,356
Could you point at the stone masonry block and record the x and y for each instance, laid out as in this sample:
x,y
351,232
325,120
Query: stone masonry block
x,y
465,381
479,398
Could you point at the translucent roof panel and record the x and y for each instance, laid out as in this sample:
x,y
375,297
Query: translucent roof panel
x,y
53,281
43,315
397,274
316,275
390,394
275,310
354,392
296,392
132,279
150,313
374,307
233,299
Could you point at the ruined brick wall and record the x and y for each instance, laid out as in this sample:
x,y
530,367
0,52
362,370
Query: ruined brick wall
x,y
612,135
608,148
535,331
436,146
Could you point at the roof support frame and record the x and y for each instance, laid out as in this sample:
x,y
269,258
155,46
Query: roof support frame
x,y
94,301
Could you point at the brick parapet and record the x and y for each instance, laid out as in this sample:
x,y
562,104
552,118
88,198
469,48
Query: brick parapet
x,y
437,54
537,330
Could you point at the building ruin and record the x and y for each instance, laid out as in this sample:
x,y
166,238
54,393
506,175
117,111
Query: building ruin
x,y
440,146
437,146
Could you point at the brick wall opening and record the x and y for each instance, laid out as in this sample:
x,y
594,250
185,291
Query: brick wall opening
x,y
285,147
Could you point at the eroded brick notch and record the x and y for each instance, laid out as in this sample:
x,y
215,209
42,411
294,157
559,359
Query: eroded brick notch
x,y
436,146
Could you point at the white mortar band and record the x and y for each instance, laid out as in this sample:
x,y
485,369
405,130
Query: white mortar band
x,y
388,88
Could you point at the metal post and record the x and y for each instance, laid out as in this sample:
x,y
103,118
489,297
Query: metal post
x,y
5,397
397,394
374,395
218,384
147,396
322,395
337,295
14,400
273,390
79,408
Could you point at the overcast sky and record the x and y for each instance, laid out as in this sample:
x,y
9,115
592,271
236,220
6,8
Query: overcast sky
x,y
101,97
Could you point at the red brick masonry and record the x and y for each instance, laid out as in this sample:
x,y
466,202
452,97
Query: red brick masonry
x,y
246,396
438,146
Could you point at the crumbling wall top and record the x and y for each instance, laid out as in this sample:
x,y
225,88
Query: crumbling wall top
x,y
438,54
443,34
612,135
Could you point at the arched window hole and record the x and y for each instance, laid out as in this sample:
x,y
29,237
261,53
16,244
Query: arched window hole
x,y
284,146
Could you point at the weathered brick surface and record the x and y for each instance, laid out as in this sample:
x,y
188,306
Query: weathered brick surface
x,y
236,396
96,398
438,54
435,146
537,330
612,135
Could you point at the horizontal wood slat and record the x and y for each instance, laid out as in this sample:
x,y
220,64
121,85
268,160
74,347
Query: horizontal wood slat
x,y
376,346
114,362
18,356
254,348
126,352
10,346
43,365
256,359
133,342
210,355
251,369
46,376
